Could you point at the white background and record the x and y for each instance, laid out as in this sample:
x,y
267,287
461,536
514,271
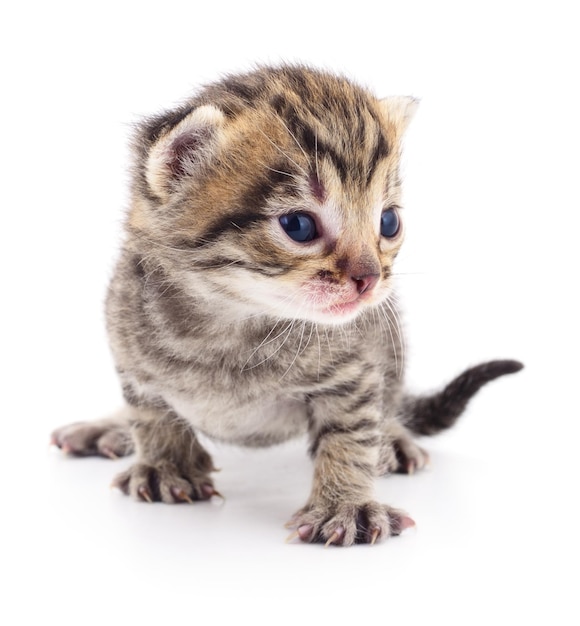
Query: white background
x,y
489,270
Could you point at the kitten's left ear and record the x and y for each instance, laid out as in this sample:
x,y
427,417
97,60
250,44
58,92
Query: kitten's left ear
x,y
180,153
399,110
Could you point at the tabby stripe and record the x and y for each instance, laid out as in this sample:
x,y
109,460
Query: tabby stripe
x,y
129,395
367,468
252,200
242,88
368,442
307,137
275,179
362,400
334,428
339,389
134,399
279,104
300,84
325,384
233,222
221,262
339,163
381,150
278,179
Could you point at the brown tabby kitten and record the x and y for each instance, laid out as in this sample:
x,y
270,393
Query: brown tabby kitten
x,y
253,299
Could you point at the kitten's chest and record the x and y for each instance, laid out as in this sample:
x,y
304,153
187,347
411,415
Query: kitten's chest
x,y
253,422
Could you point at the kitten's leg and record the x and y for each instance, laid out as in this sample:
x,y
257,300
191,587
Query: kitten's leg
x,y
171,466
109,437
399,452
345,436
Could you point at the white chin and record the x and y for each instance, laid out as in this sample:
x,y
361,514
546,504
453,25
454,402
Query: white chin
x,y
334,320
335,315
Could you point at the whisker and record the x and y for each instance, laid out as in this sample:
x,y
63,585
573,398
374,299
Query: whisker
x,y
394,320
272,169
294,137
316,155
297,351
283,153
266,341
319,350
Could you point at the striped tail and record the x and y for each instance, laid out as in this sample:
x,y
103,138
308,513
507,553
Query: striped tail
x,y
428,415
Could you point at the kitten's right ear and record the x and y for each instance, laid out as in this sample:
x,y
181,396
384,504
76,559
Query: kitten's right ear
x,y
399,110
179,153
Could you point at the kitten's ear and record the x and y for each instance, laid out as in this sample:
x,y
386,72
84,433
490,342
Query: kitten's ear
x,y
399,110
179,153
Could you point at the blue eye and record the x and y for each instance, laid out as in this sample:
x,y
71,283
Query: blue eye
x,y
389,223
299,226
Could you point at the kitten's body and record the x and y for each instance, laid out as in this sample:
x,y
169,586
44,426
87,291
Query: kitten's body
x,y
253,298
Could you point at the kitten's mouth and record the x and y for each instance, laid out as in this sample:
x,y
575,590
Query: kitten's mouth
x,y
336,306
341,309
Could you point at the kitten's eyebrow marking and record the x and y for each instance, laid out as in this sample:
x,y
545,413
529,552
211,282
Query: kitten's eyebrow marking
x,y
317,188
380,152
250,202
234,221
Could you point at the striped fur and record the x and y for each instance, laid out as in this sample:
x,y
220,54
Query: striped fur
x,y
221,323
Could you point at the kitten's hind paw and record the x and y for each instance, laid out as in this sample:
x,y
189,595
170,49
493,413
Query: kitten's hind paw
x,y
347,524
164,482
403,456
107,438
410,457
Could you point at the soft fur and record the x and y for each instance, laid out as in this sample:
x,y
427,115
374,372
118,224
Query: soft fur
x,y
221,323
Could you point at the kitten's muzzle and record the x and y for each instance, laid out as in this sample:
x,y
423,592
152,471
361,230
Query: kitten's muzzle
x,y
363,270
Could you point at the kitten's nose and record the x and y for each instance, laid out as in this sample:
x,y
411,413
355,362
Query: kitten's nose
x,y
365,283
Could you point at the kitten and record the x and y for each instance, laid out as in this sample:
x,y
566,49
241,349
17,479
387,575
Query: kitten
x,y
253,299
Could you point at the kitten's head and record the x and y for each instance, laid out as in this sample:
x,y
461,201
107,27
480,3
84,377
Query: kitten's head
x,y
276,193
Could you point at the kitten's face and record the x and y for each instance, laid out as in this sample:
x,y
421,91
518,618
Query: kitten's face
x,y
290,207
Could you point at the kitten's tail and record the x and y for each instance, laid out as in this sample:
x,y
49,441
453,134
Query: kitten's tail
x,y
428,415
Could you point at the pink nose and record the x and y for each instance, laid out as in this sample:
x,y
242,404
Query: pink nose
x,y
365,283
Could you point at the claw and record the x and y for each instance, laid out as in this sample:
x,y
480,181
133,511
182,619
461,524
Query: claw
x,y
292,522
144,493
109,454
336,535
209,492
292,536
375,535
181,495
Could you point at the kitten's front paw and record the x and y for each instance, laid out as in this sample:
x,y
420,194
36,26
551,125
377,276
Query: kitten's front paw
x,y
164,482
345,524
106,438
